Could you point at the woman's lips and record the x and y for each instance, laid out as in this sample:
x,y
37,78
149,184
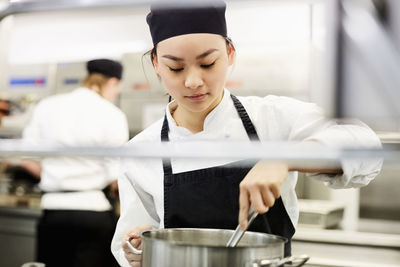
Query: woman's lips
x,y
197,97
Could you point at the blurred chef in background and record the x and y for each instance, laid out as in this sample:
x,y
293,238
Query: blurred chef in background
x,y
78,221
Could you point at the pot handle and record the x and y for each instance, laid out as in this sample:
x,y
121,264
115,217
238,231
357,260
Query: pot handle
x,y
134,250
292,261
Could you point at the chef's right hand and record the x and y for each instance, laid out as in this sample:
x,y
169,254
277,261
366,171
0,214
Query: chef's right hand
x,y
133,235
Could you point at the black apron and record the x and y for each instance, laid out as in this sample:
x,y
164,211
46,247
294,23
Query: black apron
x,y
209,198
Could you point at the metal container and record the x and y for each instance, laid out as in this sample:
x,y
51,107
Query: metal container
x,y
207,248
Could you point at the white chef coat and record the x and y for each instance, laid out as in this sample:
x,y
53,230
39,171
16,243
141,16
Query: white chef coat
x,y
79,118
275,119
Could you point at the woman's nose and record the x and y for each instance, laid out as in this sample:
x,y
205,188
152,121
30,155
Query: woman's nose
x,y
193,79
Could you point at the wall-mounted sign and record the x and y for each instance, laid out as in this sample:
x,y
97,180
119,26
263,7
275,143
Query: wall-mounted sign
x,y
35,82
71,81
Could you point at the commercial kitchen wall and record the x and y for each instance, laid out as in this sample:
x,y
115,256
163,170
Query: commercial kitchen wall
x,y
289,33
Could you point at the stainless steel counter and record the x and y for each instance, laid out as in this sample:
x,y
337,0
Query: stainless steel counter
x,y
337,248
336,255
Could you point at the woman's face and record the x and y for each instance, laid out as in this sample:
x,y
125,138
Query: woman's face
x,y
193,68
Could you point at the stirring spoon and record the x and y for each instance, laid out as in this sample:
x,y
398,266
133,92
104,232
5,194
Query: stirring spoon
x,y
237,235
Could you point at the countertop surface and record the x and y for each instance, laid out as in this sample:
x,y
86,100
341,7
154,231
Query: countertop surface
x,y
338,248
353,238
338,255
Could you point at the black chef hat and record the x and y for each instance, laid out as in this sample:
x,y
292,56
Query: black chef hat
x,y
177,19
106,67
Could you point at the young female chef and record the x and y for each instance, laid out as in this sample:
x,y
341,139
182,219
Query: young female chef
x,y
191,55
78,222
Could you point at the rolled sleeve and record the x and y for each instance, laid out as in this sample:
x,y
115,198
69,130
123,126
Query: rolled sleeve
x,y
310,125
356,172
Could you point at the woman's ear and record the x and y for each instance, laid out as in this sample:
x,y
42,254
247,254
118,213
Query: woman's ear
x,y
155,63
231,54
113,81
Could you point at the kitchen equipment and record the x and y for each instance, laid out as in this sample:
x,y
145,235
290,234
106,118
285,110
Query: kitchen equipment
x,y
321,214
237,235
181,247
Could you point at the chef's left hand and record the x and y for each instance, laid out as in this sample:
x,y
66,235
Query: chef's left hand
x,y
260,187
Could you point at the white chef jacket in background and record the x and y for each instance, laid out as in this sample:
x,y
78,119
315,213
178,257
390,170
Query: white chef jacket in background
x,y
275,119
79,118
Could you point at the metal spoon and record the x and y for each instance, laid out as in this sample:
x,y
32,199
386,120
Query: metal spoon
x,y
237,235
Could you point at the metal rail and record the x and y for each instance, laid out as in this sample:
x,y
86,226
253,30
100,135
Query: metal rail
x,y
295,153
17,7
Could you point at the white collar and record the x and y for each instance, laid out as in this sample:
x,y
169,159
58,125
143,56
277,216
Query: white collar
x,y
212,119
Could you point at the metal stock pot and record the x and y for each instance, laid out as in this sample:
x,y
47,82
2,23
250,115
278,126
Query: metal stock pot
x,y
206,248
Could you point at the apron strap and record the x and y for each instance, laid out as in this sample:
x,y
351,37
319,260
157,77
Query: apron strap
x,y
165,138
248,125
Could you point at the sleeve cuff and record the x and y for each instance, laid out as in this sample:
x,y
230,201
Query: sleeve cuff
x,y
368,170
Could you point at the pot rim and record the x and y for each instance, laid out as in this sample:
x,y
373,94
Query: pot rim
x,y
275,238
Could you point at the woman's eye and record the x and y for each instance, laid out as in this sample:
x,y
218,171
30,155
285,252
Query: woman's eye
x,y
175,70
206,66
